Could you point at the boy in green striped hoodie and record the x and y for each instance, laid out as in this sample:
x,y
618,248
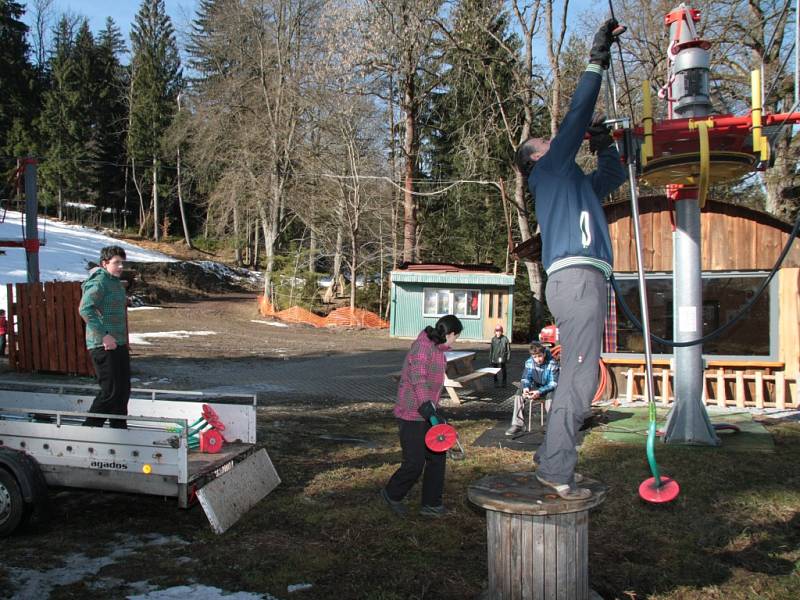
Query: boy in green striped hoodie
x,y
103,307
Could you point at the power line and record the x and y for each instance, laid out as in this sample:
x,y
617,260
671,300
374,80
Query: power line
x,y
398,183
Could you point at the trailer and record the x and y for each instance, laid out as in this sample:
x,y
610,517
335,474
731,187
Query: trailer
x,y
44,444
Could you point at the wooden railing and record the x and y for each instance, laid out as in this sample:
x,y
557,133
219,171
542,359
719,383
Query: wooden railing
x,y
741,385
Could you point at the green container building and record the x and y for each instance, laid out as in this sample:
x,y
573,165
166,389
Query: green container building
x,y
481,296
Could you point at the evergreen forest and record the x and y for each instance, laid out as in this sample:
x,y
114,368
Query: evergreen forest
x,y
339,139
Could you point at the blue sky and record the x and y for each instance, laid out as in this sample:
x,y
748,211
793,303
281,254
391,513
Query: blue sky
x,y
182,11
122,11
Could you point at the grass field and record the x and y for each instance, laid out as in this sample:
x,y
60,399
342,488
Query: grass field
x,y
733,533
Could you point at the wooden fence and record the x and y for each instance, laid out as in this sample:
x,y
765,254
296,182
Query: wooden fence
x,y
45,331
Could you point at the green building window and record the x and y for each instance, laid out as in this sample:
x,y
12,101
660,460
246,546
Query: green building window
x,y
459,302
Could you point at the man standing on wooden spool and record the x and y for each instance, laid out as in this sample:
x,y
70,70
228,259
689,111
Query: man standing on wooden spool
x,y
576,254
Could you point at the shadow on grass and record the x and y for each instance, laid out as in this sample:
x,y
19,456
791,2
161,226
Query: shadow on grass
x,y
736,511
733,529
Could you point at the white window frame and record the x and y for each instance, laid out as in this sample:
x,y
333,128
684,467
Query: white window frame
x,y
451,304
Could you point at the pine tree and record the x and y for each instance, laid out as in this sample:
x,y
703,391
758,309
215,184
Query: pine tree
x,y
467,140
85,151
59,122
156,79
207,44
18,101
110,113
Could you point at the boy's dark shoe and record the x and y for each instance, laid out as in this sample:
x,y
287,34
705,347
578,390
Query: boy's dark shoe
x,y
432,511
396,506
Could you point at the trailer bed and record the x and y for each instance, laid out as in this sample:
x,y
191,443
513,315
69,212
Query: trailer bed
x,y
152,456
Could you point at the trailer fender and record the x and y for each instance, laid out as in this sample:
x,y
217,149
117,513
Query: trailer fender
x,y
29,476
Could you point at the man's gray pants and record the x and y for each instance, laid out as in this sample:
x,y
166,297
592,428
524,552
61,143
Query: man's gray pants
x,y
577,298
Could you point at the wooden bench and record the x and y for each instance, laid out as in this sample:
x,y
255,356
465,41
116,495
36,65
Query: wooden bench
x,y
475,378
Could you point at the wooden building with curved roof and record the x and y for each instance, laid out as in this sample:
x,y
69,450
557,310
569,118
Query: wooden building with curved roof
x,y
756,361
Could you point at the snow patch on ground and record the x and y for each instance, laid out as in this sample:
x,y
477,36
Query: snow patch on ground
x,y
198,592
65,255
273,323
141,338
133,308
226,272
32,584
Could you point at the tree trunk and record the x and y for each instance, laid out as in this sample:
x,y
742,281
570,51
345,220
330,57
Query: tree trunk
x,y
268,251
271,227
409,147
380,294
353,277
312,251
354,264
535,271
125,200
155,199
256,241
142,217
185,225
337,266
237,244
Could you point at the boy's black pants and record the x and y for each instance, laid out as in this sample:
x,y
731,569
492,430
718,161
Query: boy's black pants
x,y
502,366
418,460
113,368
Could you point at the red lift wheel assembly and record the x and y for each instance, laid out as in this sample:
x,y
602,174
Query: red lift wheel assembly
x,y
210,442
441,437
667,492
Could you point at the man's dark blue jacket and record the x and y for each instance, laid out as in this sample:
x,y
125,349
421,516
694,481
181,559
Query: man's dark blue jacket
x,y
567,201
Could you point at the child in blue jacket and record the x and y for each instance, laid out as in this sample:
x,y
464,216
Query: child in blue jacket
x,y
539,379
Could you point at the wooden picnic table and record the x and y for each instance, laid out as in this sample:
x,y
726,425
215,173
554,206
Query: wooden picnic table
x,y
461,371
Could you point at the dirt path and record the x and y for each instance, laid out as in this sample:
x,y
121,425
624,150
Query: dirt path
x,y
237,350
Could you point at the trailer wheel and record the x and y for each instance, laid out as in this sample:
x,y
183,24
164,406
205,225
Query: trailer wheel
x,y
12,506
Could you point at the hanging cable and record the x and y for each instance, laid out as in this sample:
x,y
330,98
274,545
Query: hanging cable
x,y
739,316
624,71
777,76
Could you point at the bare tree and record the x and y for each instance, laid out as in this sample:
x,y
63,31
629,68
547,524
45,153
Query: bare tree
x,y
402,43
42,16
250,109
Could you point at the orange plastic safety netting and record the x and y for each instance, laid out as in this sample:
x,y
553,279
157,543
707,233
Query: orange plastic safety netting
x,y
296,314
265,307
341,317
358,317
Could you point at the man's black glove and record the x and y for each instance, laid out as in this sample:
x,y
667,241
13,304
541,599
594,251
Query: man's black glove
x,y
599,135
600,53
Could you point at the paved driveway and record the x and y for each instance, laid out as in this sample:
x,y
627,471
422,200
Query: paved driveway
x,y
357,377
